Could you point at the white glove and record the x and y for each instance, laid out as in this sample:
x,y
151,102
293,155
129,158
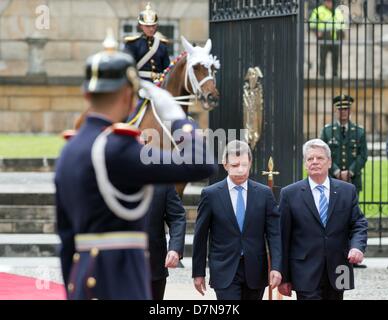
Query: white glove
x,y
166,107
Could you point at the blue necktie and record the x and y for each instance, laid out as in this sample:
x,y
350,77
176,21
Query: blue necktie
x,y
240,207
323,204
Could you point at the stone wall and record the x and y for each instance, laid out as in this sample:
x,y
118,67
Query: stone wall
x,y
39,108
76,30
48,106
78,27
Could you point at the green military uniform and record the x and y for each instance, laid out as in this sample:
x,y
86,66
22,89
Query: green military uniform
x,y
348,150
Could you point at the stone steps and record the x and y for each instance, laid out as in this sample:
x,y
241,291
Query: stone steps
x,y
27,217
46,245
27,164
42,219
31,245
32,218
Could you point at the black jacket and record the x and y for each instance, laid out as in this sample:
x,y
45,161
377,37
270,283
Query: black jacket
x,y
217,218
308,246
166,208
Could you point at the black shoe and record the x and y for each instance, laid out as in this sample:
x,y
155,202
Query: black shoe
x,y
361,266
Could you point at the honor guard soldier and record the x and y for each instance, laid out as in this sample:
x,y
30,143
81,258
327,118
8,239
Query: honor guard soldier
x,y
148,49
102,184
347,143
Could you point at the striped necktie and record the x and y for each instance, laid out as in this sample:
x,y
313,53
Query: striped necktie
x,y
323,204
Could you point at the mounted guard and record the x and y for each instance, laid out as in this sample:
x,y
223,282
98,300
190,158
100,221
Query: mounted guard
x,y
149,49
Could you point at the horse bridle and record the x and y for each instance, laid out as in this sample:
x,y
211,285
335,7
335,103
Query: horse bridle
x,y
196,86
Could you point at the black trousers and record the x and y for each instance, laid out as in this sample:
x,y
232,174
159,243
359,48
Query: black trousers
x,y
158,288
325,291
238,289
324,50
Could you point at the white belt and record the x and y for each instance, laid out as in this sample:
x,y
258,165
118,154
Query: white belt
x,y
148,74
111,241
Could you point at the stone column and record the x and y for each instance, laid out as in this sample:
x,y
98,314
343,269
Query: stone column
x,y
36,45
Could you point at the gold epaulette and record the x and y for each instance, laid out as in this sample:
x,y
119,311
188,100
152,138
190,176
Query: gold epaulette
x,y
124,129
131,38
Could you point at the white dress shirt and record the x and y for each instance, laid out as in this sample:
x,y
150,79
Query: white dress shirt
x,y
317,194
234,193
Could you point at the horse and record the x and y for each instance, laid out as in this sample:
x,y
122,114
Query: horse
x,y
190,76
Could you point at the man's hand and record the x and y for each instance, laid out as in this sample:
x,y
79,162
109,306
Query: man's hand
x,y
355,256
275,278
345,176
285,289
200,285
172,259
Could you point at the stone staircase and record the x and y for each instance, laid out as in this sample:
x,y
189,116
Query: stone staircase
x,y
27,214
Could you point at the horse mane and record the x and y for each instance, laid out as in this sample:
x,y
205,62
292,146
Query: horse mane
x,y
174,76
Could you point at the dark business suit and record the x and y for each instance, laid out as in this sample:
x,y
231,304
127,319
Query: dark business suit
x,y
216,216
312,252
166,208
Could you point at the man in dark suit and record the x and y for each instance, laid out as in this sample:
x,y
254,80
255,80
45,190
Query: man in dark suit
x,y
240,214
324,231
166,207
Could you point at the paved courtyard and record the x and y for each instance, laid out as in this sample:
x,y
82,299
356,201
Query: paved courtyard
x,y
371,283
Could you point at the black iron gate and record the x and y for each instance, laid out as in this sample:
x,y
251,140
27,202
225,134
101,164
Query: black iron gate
x,y
267,34
362,72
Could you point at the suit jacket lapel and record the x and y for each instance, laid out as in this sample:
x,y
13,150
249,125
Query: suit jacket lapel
x,y
227,203
250,202
309,200
333,198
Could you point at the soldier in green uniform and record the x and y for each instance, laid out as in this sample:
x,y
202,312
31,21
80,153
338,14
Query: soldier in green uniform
x,y
347,144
